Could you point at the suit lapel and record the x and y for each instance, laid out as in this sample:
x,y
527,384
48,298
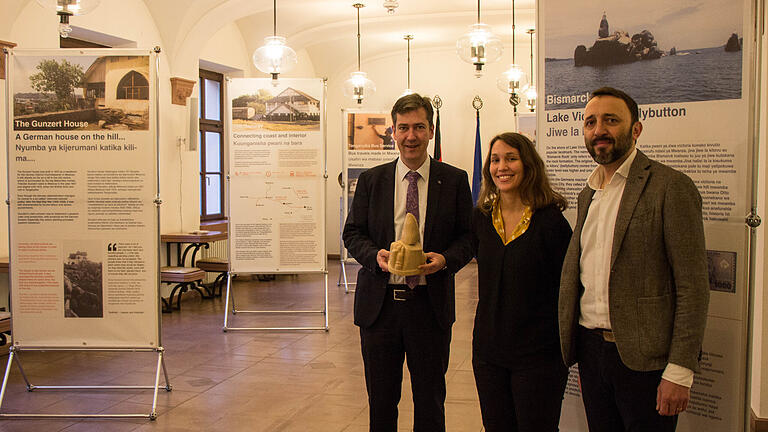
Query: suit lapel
x,y
638,177
388,180
585,199
433,199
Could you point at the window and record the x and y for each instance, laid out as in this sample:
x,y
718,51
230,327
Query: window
x,y
211,145
133,86
94,90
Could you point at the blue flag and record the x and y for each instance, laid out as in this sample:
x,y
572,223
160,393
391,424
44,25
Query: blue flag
x,y
477,170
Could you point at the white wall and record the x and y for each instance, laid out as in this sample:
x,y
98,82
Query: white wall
x,y
228,48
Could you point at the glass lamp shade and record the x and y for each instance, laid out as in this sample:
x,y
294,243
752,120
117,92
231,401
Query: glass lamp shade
x,y
70,7
530,97
358,86
479,46
406,92
274,57
390,5
64,28
66,8
509,81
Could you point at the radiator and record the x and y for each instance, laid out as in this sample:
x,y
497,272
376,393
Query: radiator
x,y
215,249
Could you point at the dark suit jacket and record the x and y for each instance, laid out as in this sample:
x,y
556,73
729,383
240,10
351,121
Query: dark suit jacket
x,y
370,226
658,286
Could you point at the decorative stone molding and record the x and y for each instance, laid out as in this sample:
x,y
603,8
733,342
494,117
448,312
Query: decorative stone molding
x,y
181,89
4,44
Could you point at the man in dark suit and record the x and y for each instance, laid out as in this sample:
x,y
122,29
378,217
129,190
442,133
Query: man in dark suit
x,y
634,291
408,318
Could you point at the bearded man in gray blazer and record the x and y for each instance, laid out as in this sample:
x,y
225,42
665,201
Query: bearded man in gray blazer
x,y
634,291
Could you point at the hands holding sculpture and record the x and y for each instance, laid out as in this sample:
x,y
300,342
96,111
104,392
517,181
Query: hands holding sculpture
x,y
405,257
434,262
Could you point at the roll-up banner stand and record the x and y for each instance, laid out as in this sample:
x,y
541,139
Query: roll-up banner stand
x,y
83,199
368,142
277,183
691,70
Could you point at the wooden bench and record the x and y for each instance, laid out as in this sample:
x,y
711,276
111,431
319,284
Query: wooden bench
x,y
5,327
215,265
185,278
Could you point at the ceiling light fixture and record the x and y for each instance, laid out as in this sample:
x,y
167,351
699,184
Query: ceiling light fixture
x,y
274,57
530,92
391,5
66,8
509,81
479,46
408,90
358,86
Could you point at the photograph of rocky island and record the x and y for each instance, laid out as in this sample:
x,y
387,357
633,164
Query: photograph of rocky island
x,y
677,53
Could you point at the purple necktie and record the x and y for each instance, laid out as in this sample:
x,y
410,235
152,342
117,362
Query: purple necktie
x,y
412,207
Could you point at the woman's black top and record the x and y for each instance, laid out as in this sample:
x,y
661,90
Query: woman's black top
x,y
516,323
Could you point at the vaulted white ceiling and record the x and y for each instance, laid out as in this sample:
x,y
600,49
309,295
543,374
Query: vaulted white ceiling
x,y
327,29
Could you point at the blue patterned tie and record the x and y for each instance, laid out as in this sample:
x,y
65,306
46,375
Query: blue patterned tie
x,y
412,207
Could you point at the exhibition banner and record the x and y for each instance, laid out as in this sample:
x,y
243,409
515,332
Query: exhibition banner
x,y
687,66
368,142
82,184
276,175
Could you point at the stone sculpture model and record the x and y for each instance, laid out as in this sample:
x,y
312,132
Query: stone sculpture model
x,y
406,255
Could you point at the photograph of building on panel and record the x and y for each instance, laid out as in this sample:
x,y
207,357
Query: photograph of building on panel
x,y
81,93
83,286
286,109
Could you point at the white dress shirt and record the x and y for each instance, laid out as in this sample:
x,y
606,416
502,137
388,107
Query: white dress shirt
x,y
596,249
401,190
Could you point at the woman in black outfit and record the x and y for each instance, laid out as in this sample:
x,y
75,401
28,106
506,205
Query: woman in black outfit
x,y
521,238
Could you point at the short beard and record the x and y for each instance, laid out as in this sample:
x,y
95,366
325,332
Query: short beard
x,y
621,146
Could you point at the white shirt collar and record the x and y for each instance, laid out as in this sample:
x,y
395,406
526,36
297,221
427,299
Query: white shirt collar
x,y
595,180
402,170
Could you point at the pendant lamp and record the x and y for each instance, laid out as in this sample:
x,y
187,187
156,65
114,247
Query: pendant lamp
x,y
358,86
66,8
479,46
390,5
408,90
509,81
530,92
274,57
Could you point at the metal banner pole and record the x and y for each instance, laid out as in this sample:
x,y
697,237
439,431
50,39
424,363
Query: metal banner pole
x,y
325,312
753,220
14,351
158,201
226,301
325,196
